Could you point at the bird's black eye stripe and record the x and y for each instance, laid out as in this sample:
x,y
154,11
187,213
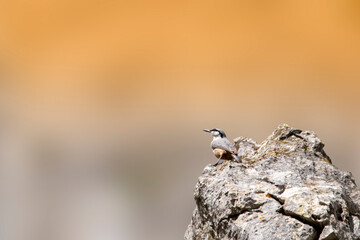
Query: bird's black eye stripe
x,y
217,130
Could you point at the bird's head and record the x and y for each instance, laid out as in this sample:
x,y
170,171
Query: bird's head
x,y
216,132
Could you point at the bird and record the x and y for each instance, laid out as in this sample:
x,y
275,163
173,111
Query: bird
x,y
222,147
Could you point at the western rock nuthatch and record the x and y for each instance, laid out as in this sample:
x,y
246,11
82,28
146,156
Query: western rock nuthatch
x,y
222,147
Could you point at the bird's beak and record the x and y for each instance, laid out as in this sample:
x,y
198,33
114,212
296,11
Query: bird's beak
x,y
206,130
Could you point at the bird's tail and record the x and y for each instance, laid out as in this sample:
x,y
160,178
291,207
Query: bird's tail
x,y
236,158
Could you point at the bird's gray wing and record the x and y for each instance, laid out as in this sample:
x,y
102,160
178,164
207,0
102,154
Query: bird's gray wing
x,y
224,144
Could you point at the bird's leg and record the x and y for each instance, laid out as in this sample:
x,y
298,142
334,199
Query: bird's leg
x,y
218,160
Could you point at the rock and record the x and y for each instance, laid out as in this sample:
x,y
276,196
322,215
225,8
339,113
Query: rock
x,y
286,188
246,148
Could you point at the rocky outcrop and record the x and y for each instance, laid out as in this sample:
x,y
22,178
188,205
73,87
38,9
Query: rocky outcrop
x,y
286,188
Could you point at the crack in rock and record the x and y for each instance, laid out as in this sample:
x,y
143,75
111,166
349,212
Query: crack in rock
x,y
318,228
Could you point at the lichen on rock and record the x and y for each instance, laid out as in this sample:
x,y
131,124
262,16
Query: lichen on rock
x,y
286,188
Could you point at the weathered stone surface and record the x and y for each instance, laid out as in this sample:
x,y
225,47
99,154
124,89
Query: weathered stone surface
x,y
286,188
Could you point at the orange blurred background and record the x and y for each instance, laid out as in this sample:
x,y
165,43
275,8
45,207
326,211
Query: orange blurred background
x,y
102,103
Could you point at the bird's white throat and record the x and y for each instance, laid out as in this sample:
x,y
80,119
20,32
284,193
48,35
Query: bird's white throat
x,y
216,137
